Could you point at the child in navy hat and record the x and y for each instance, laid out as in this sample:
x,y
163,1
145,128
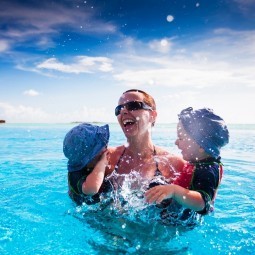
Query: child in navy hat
x,y
201,134
85,147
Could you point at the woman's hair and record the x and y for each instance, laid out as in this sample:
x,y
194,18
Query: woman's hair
x,y
148,99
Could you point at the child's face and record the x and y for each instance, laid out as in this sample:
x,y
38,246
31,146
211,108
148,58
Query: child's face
x,y
190,150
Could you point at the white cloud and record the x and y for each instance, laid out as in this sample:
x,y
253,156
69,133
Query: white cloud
x,y
26,22
22,113
21,66
163,45
85,114
246,7
45,42
4,45
183,94
82,64
213,61
27,114
196,76
31,93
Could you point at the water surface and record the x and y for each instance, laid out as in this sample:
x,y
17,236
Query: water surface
x,y
37,216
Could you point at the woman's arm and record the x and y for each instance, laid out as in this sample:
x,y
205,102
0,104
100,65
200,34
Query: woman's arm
x,y
94,180
187,198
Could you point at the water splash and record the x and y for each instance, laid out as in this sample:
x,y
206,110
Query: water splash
x,y
124,219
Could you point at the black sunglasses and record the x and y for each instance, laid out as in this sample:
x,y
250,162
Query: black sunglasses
x,y
132,106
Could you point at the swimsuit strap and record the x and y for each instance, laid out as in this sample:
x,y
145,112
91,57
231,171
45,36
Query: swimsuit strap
x,y
157,172
117,165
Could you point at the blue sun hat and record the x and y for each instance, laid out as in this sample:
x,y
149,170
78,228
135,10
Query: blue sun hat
x,y
82,144
206,128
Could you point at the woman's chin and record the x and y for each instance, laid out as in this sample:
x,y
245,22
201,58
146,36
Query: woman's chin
x,y
130,130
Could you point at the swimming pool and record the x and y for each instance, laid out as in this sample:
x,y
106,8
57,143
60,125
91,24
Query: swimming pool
x,y
37,216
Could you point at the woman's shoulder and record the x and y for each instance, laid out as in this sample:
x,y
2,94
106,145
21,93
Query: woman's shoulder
x,y
114,153
160,151
115,150
175,160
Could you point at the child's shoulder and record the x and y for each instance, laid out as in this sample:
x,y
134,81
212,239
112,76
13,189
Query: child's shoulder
x,y
208,167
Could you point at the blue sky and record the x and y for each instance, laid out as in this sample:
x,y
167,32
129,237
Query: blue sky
x,y
63,61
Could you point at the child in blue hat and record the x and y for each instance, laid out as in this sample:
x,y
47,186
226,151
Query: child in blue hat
x,y
201,134
85,148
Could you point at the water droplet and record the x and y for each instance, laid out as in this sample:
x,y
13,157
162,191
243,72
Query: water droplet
x,y
170,18
138,247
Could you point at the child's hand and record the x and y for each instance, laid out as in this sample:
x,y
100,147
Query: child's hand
x,y
159,193
95,179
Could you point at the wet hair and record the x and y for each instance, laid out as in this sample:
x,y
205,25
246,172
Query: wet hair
x,y
148,99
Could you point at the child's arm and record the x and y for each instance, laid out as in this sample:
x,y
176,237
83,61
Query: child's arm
x,y
187,198
95,179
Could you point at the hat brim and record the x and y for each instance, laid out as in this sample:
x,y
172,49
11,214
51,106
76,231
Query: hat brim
x,y
101,140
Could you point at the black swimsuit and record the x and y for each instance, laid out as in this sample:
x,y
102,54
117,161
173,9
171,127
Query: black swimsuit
x,y
77,178
157,172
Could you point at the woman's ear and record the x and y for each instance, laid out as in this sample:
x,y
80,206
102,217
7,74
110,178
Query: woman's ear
x,y
153,117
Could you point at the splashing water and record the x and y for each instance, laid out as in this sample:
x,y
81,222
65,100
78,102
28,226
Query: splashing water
x,y
125,224
123,212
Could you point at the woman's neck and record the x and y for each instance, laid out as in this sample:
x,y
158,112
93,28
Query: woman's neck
x,y
141,146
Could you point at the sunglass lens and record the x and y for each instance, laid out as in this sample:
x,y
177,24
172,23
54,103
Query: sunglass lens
x,y
133,106
117,110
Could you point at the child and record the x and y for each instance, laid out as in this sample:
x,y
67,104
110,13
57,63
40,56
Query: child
x,y
85,146
201,134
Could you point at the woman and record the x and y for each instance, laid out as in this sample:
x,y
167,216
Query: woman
x,y
136,113
138,165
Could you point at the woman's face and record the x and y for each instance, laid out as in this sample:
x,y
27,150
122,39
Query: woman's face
x,y
135,122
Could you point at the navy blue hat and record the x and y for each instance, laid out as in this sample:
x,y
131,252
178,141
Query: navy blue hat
x,y
206,128
82,144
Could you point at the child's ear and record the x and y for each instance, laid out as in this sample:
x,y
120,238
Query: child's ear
x,y
201,150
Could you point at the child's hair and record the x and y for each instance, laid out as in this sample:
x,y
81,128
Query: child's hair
x,y
82,144
206,128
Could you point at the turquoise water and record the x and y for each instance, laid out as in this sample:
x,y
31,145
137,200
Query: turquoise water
x,y
37,216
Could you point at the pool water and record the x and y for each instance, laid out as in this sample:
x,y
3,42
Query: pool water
x,y
37,216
